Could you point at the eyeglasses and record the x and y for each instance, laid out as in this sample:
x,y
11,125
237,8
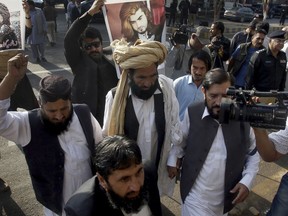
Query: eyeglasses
x,y
88,46
215,97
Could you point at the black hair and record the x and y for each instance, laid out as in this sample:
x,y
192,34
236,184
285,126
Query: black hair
x,y
201,55
220,26
53,88
116,153
217,76
263,26
90,32
31,3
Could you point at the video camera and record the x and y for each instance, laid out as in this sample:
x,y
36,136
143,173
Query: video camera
x,y
216,44
180,36
242,108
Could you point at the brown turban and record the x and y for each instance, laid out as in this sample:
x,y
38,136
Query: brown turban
x,y
140,55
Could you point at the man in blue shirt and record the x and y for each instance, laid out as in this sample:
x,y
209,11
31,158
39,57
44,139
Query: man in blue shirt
x,y
239,61
188,88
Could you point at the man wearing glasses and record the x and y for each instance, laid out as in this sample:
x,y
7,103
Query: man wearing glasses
x,y
267,67
224,156
94,74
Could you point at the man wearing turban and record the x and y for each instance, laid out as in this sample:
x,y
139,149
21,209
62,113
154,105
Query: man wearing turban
x,y
144,107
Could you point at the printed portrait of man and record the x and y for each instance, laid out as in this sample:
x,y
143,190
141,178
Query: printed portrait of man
x,y
133,20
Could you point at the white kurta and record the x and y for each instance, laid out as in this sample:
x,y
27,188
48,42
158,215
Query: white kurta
x,y
206,197
15,126
147,133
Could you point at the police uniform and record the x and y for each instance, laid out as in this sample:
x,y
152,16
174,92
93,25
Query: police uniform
x,y
265,72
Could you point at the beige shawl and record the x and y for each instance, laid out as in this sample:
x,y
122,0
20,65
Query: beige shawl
x,y
141,55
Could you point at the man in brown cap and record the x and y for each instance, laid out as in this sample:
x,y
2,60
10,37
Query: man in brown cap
x,y
58,139
144,107
267,67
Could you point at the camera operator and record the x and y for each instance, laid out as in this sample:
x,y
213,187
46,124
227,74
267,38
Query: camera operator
x,y
182,49
224,156
272,147
219,45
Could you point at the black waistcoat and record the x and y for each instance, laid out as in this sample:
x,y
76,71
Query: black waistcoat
x,y
201,136
131,125
45,158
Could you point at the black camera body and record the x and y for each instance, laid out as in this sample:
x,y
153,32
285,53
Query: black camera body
x,y
216,45
180,36
258,115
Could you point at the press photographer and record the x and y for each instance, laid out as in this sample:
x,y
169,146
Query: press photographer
x,y
186,42
219,45
241,107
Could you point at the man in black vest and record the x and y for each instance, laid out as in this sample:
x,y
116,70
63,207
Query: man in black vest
x,y
221,160
58,139
144,107
122,185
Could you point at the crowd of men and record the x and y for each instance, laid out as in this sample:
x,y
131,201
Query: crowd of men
x,y
117,144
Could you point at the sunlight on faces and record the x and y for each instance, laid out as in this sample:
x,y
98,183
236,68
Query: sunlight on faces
x,y
144,81
198,70
139,21
213,31
276,44
258,39
125,188
57,115
213,97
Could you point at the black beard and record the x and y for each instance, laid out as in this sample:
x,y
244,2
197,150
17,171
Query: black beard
x,y
127,204
96,56
143,94
210,111
56,128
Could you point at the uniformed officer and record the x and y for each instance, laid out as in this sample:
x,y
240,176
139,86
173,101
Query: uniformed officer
x,y
267,67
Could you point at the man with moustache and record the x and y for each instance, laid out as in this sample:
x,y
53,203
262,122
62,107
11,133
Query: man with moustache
x,y
121,185
219,45
144,107
58,139
224,156
137,23
188,89
267,67
239,60
94,73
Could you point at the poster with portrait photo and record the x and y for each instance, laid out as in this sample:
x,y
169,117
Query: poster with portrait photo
x,y
12,25
134,19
